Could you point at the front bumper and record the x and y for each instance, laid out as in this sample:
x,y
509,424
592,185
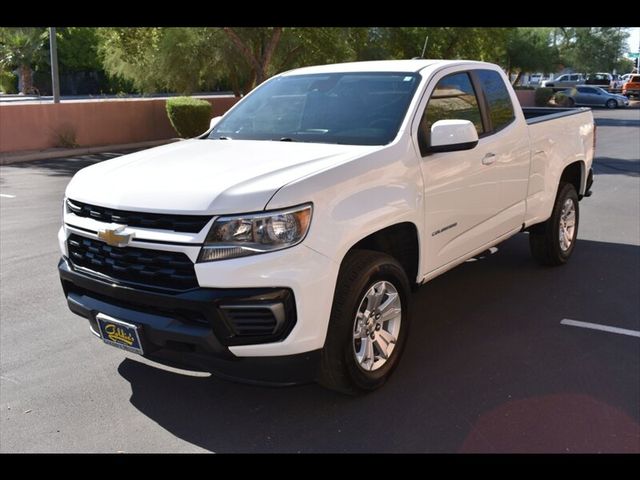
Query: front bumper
x,y
190,329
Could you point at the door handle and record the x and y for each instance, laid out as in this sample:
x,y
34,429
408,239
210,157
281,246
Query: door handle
x,y
489,158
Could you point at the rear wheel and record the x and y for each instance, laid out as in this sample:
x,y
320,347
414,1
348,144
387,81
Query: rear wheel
x,y
611,103
553,241
368,325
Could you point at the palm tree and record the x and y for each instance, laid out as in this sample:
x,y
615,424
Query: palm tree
x,y
22,48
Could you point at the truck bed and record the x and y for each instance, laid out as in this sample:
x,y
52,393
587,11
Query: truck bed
x,y
542,114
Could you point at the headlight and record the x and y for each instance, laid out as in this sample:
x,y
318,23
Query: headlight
x,y
242,235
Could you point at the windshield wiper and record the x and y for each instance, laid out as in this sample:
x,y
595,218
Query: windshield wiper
x,y
222,137
287,139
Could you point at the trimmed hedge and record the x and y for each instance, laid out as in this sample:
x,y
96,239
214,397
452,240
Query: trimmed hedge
x,y
542,96
189,116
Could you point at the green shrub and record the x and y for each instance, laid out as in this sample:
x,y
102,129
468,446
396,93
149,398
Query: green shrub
x,y
542,96
8,82
561,99
189,116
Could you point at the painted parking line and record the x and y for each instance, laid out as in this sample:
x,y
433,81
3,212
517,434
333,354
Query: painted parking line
x,y
597,326
6,195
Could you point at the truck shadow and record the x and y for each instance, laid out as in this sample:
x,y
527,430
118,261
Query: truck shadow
x,y
488,368
616,166
617,122
69,166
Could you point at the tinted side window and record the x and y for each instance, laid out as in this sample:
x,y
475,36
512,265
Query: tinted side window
x,y
453,98
584,90
498,99
573,78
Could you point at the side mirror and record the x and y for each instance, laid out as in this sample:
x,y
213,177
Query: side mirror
x,y
214,121
452,136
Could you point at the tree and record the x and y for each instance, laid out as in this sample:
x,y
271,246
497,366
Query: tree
x,y
529,50
188,59
22,48
592,49
486,44
78,49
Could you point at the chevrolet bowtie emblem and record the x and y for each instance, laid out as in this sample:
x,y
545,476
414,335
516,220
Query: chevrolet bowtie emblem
x,y
115,236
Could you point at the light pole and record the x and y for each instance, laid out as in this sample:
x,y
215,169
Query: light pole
x,y
55,81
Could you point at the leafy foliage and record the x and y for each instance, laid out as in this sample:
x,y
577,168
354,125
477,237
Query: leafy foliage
x,y
22,48
8,82
78,49
592,49
189,116
189,59
530,50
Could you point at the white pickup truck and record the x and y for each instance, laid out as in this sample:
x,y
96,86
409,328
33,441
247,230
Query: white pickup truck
x,y
282,245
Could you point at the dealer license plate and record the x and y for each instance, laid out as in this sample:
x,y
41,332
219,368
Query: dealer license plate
x,y
119,334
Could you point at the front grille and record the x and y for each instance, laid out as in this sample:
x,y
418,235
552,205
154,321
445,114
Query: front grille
x,y
162,269
158,221
251,321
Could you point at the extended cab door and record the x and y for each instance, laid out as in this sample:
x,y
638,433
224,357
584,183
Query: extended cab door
x,y
472,197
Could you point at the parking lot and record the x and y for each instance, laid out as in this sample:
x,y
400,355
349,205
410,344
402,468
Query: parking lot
x,y
489,366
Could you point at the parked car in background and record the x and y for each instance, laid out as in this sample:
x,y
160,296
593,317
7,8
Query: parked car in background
x,y
564,81
536,78
594,96
616,83
632,86
599,79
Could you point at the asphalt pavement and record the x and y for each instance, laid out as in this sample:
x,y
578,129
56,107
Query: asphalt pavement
x,y
488,367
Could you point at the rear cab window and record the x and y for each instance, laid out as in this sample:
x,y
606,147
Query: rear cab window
x,y
498,99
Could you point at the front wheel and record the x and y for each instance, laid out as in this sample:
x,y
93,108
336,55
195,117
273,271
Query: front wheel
x,y
553,241
369,323
611,103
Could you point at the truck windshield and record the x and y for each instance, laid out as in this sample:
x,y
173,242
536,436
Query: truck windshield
x,y
346,108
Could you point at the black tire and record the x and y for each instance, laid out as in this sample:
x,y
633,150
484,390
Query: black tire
x,y
339,369
571,102
611,103
544,239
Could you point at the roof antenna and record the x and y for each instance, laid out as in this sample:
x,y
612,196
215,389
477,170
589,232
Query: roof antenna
x,y
424,49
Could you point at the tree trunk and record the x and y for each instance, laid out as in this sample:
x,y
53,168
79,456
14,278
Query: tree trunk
x,y
260,66
26,79
518,76
268,54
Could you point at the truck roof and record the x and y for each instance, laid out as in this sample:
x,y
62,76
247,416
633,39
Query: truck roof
x,y
377,66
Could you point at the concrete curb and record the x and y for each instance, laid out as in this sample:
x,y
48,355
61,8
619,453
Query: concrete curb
x,y
9,158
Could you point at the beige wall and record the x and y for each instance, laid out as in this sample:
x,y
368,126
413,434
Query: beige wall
x,y
104,122
100,122
527,98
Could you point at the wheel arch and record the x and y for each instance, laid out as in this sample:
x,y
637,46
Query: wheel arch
x,y
401,241
575,174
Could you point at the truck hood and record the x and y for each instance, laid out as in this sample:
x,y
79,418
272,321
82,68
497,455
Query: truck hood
x,y
205,176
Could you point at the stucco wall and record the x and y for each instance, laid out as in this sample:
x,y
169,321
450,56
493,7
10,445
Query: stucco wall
x,y
99,122
527,98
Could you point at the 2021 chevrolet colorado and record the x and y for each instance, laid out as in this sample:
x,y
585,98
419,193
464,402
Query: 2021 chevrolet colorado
x,y
282,245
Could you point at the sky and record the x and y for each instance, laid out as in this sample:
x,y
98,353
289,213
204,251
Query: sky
x,y
634,39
